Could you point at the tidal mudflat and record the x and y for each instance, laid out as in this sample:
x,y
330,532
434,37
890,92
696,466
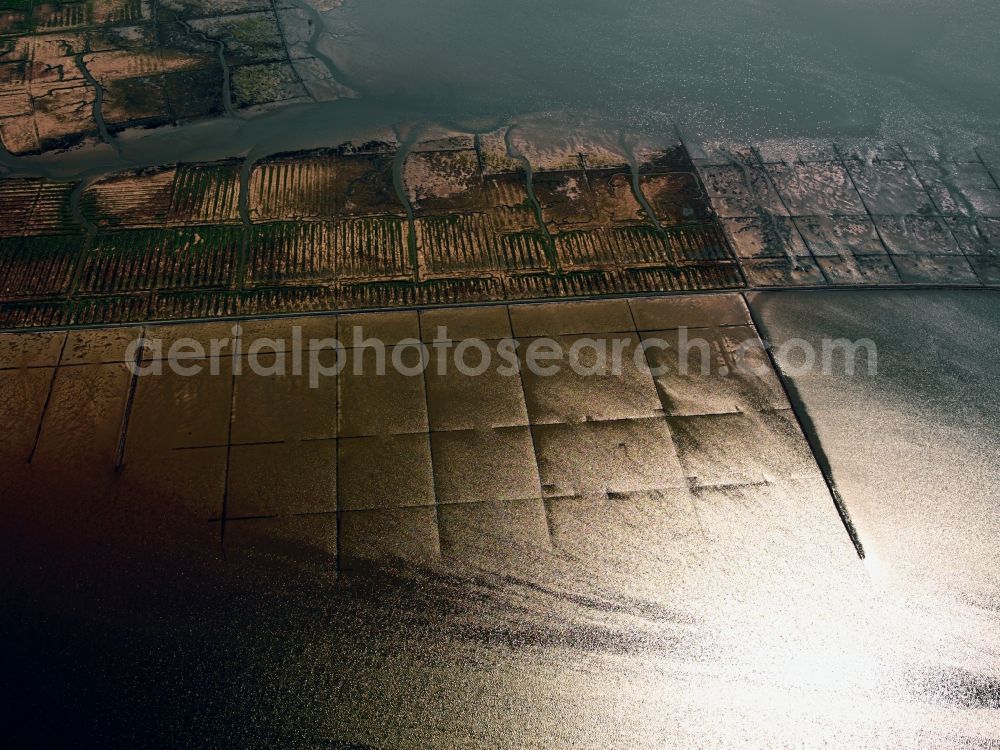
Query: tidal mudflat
x,y
427,561
647,557
448,217
173,160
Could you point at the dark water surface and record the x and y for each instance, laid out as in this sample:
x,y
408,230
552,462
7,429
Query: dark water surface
x,y
916,71
894,68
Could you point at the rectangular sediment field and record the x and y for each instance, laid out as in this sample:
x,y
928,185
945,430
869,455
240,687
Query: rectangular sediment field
x,y
203,256
17,201
432,292
290,188
121,308
645,245
36,267
139,198
571,284
50,210
509,205
292,252
177,195
456,245
206,194
694,278
520,252
175,258
372,248
42,314
122,261
582,249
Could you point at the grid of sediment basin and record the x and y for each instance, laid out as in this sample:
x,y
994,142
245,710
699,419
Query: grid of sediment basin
x,y
427,466
82,72
471,223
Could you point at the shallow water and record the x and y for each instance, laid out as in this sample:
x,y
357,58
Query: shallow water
x,y
894,70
